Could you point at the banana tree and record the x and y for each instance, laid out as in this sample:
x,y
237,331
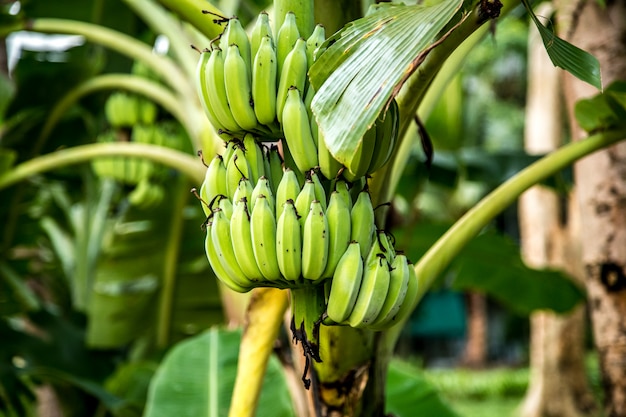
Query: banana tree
x,y
392,55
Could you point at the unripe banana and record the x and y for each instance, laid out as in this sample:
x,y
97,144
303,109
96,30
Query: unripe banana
x,y
387,126
289,242
236,169
220,272
314,41
254,154
146,195
308,99
237,79
386,246
293,74
360,162
201,86
216,91
362,218
221,241
343,189
408,304
225,205
288,160
315,243
398,284
260,30
263,227
372,293
297,130
241,236
214,182
305,198
286,38
264,82
235,34
231,146
275,167
339,229
262,187
320,192
243,191
345,284
288,189
147,111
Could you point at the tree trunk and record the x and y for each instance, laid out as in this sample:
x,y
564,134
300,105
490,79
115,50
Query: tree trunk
x,y
475,354
601,184
558,385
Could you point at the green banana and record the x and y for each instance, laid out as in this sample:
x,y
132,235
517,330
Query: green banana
x,y
288,189
214,182
147,111
264,79
243,191
201,86
341,186
263,227
372,293
216,91
220,272
275,167
308,99
305,198
409,300
241,236
225,205
358,165
146,195
222,242
398,284
315,243
260,30
254,154
289,242
237,82
314,41
320,192
345,284
362,218
236,169
387,126
286,38
297,131
338,232
293,74
234,34
229,150
262,187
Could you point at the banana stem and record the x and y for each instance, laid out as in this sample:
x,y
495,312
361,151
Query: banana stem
x,y
121,43
191,12
182,162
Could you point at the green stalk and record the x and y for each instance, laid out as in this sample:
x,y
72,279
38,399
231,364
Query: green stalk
x,y
305,15
162,22
150,89
182,162
121,43
191,11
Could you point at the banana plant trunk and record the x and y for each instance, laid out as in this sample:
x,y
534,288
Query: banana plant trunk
x,y
601,184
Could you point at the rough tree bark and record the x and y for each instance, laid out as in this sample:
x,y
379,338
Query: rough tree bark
x,y
558,384
601,184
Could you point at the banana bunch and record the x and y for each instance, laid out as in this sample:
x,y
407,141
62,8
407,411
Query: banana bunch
x,y
126,110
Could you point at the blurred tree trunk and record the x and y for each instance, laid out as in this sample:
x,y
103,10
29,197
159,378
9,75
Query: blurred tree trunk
x,y
558,384
475,354
601,184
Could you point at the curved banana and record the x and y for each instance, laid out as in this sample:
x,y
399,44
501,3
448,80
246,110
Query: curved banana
x,y
225,205
260,30
262,187
203,93
339,229
315,243
286,38
263,228
288,189
329,166
229,150
214,182
297,130
243,192
264,80
293,74
345,285
254,154
314,41
237,81
320,192
236,169
275,167
398,284
241,236
341,186
289,243
220,272
216,91
386,135
222,242
372,293
362,218
305,198
357,166
235,34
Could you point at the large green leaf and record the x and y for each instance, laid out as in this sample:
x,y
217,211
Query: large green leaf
x,y
606,110
579,63
364,66
196,379
410,394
